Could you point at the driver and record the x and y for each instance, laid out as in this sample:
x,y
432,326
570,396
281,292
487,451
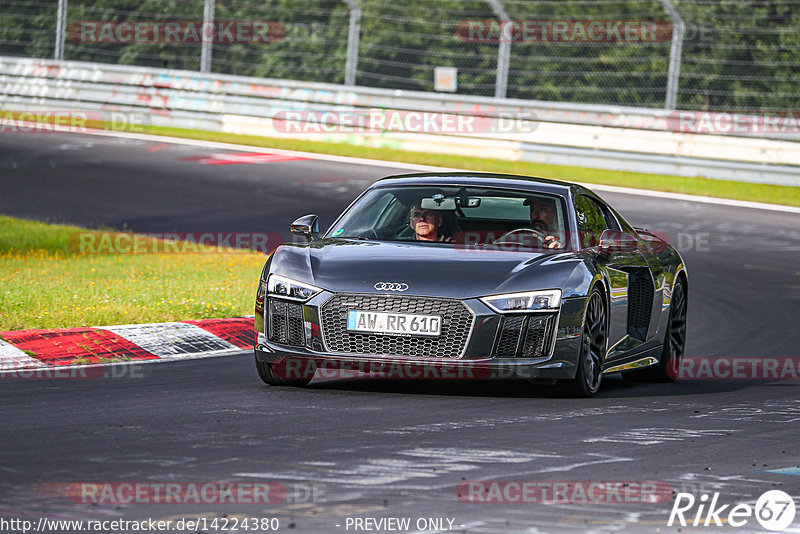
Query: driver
x,y
426,224
543,216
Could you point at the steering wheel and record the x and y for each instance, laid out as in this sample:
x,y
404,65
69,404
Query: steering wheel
x,y
371,234
536,233
406,233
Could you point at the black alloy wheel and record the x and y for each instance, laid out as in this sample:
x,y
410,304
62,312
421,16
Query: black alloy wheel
x,y
594,342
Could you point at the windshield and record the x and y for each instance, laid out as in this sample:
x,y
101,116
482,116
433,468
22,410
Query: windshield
x,y
471,216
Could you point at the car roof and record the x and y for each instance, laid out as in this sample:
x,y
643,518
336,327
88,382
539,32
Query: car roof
x,y
512,181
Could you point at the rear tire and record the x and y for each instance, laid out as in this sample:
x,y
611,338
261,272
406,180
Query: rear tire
x,y
269,376
669,365
594,343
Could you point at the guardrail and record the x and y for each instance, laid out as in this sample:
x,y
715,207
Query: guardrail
x,y
620,138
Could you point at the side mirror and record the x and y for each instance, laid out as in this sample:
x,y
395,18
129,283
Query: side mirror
x,y
616,241
306,226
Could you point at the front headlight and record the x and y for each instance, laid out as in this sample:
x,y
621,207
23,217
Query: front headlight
x,y
290,289
529,301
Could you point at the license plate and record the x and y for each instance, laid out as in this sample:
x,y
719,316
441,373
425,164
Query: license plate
x,y
395,324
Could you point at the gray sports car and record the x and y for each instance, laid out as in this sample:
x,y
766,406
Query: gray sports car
x,y
479,275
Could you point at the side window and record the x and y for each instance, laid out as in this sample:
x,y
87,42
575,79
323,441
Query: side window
x,y
608,215
591,221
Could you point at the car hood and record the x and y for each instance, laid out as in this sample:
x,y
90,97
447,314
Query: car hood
x,y
345,265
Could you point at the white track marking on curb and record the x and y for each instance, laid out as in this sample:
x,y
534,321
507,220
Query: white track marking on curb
x,y
430,168
12,358
167,340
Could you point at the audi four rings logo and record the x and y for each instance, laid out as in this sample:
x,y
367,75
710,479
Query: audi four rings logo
x,y
391,286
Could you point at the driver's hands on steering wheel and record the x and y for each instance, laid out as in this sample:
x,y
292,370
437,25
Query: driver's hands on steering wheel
x,y
551,242
547,241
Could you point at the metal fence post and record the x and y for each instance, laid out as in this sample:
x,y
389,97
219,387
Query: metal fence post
x,y
207,36
353,36
674,74
503,51
61,27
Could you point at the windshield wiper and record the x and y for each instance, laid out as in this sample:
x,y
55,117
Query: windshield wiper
x,y
357,237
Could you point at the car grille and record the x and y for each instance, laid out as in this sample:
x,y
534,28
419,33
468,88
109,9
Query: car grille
x,y
457,320
285,320
525,336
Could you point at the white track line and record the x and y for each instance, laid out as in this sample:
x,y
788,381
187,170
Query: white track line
x,y
14,359
430,168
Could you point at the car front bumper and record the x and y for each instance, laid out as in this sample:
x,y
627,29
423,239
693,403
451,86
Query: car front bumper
x,y
478,360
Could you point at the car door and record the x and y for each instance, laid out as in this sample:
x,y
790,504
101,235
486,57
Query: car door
x,y
627,275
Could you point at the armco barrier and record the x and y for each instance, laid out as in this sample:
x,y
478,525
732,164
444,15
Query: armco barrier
x,y
620,138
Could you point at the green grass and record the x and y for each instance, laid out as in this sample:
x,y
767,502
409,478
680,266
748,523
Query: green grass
x,y
774,194
47,282
21,236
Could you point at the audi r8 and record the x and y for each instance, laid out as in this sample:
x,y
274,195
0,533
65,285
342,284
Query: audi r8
x,y
517,276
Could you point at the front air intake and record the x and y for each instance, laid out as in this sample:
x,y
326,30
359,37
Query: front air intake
x,y
525,336
285,320
640,302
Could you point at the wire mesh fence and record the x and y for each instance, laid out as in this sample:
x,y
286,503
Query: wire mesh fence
x,y
735,55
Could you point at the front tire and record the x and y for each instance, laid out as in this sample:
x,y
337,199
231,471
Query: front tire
x,y
594,342
269,376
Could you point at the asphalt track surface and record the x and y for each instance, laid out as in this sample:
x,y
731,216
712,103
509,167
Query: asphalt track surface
x,y
376,448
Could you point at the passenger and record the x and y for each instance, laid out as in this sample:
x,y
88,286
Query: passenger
x,y
543,217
